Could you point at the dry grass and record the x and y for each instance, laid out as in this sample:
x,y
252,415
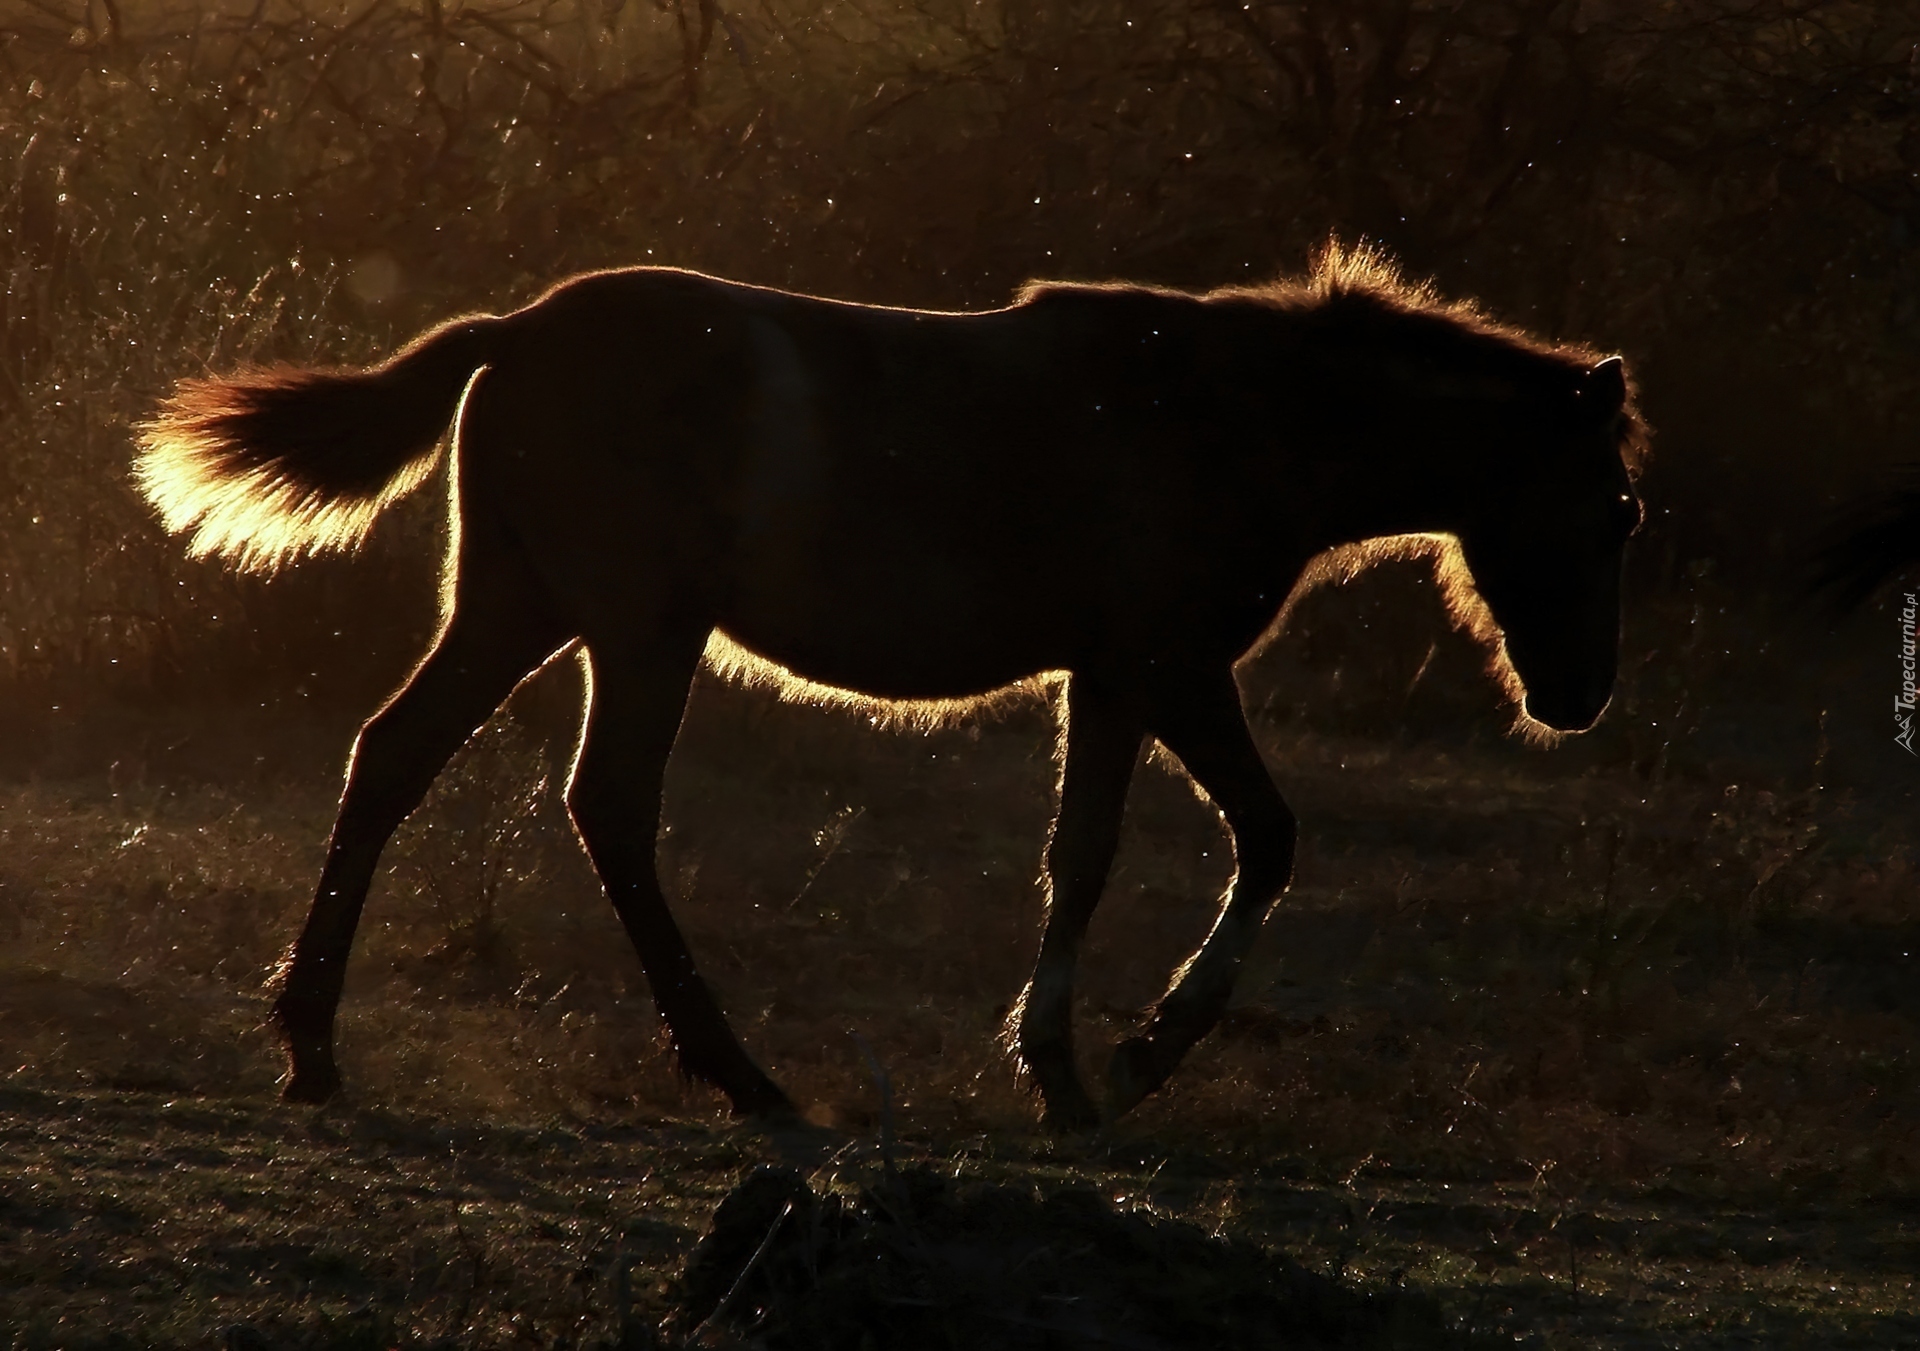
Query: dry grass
x,y
1520,1026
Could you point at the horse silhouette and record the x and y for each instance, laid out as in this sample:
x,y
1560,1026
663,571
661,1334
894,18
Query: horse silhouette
x,y
1118,484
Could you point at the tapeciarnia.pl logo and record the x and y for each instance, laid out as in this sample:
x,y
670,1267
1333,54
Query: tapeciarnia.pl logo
x,y
1903,702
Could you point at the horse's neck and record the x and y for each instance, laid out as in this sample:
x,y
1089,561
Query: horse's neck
x,y
1402,492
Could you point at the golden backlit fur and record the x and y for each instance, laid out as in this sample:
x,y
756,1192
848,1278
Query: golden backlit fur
x,y
1339,271
732,662
1466,610
251,514
273,463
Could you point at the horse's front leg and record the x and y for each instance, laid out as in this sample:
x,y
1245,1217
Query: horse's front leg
x,y
1204,726
1102,737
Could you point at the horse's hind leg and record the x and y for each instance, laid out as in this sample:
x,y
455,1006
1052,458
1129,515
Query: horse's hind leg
x,y
639,694
1102,740
499,630
1204,726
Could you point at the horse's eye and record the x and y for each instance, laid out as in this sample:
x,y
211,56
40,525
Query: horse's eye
x,y
1627,509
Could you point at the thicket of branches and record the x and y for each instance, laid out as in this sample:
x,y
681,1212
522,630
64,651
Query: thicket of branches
x,y
187,185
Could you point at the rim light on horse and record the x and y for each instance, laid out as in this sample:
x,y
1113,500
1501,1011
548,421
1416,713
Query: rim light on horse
x,y
1121,484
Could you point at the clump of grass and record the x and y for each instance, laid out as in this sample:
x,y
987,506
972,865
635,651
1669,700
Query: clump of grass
x,y
918,1257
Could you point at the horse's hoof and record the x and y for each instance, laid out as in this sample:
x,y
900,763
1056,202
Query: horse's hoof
x,y
311,1086
1068,1110
1133,1073
766,1104
780,1116
1081,1118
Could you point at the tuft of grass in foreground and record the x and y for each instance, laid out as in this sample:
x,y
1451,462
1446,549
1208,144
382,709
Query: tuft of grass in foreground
x,y
925,1256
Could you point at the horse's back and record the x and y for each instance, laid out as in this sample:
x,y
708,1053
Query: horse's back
x,y
904,502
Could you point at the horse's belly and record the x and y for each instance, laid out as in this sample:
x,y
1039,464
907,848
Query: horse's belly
x,y
898,580
900,517
897,637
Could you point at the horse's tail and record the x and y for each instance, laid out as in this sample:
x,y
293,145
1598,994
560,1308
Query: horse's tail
x,y
1868,540
276,462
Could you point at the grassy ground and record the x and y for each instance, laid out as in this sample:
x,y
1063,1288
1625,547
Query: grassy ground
x,y
1595,1056
164,1221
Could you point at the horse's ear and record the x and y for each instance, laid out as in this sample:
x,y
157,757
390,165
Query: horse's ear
x,y
1603,391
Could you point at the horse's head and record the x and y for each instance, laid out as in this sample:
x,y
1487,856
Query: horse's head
x,y
1545,544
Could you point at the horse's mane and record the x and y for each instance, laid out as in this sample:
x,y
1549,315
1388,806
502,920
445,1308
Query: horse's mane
x,y
1359,297
1360,292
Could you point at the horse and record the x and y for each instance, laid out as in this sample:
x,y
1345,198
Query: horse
x,y
1114,487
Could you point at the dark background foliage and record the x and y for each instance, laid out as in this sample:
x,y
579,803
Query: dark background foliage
x,y
1726,192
